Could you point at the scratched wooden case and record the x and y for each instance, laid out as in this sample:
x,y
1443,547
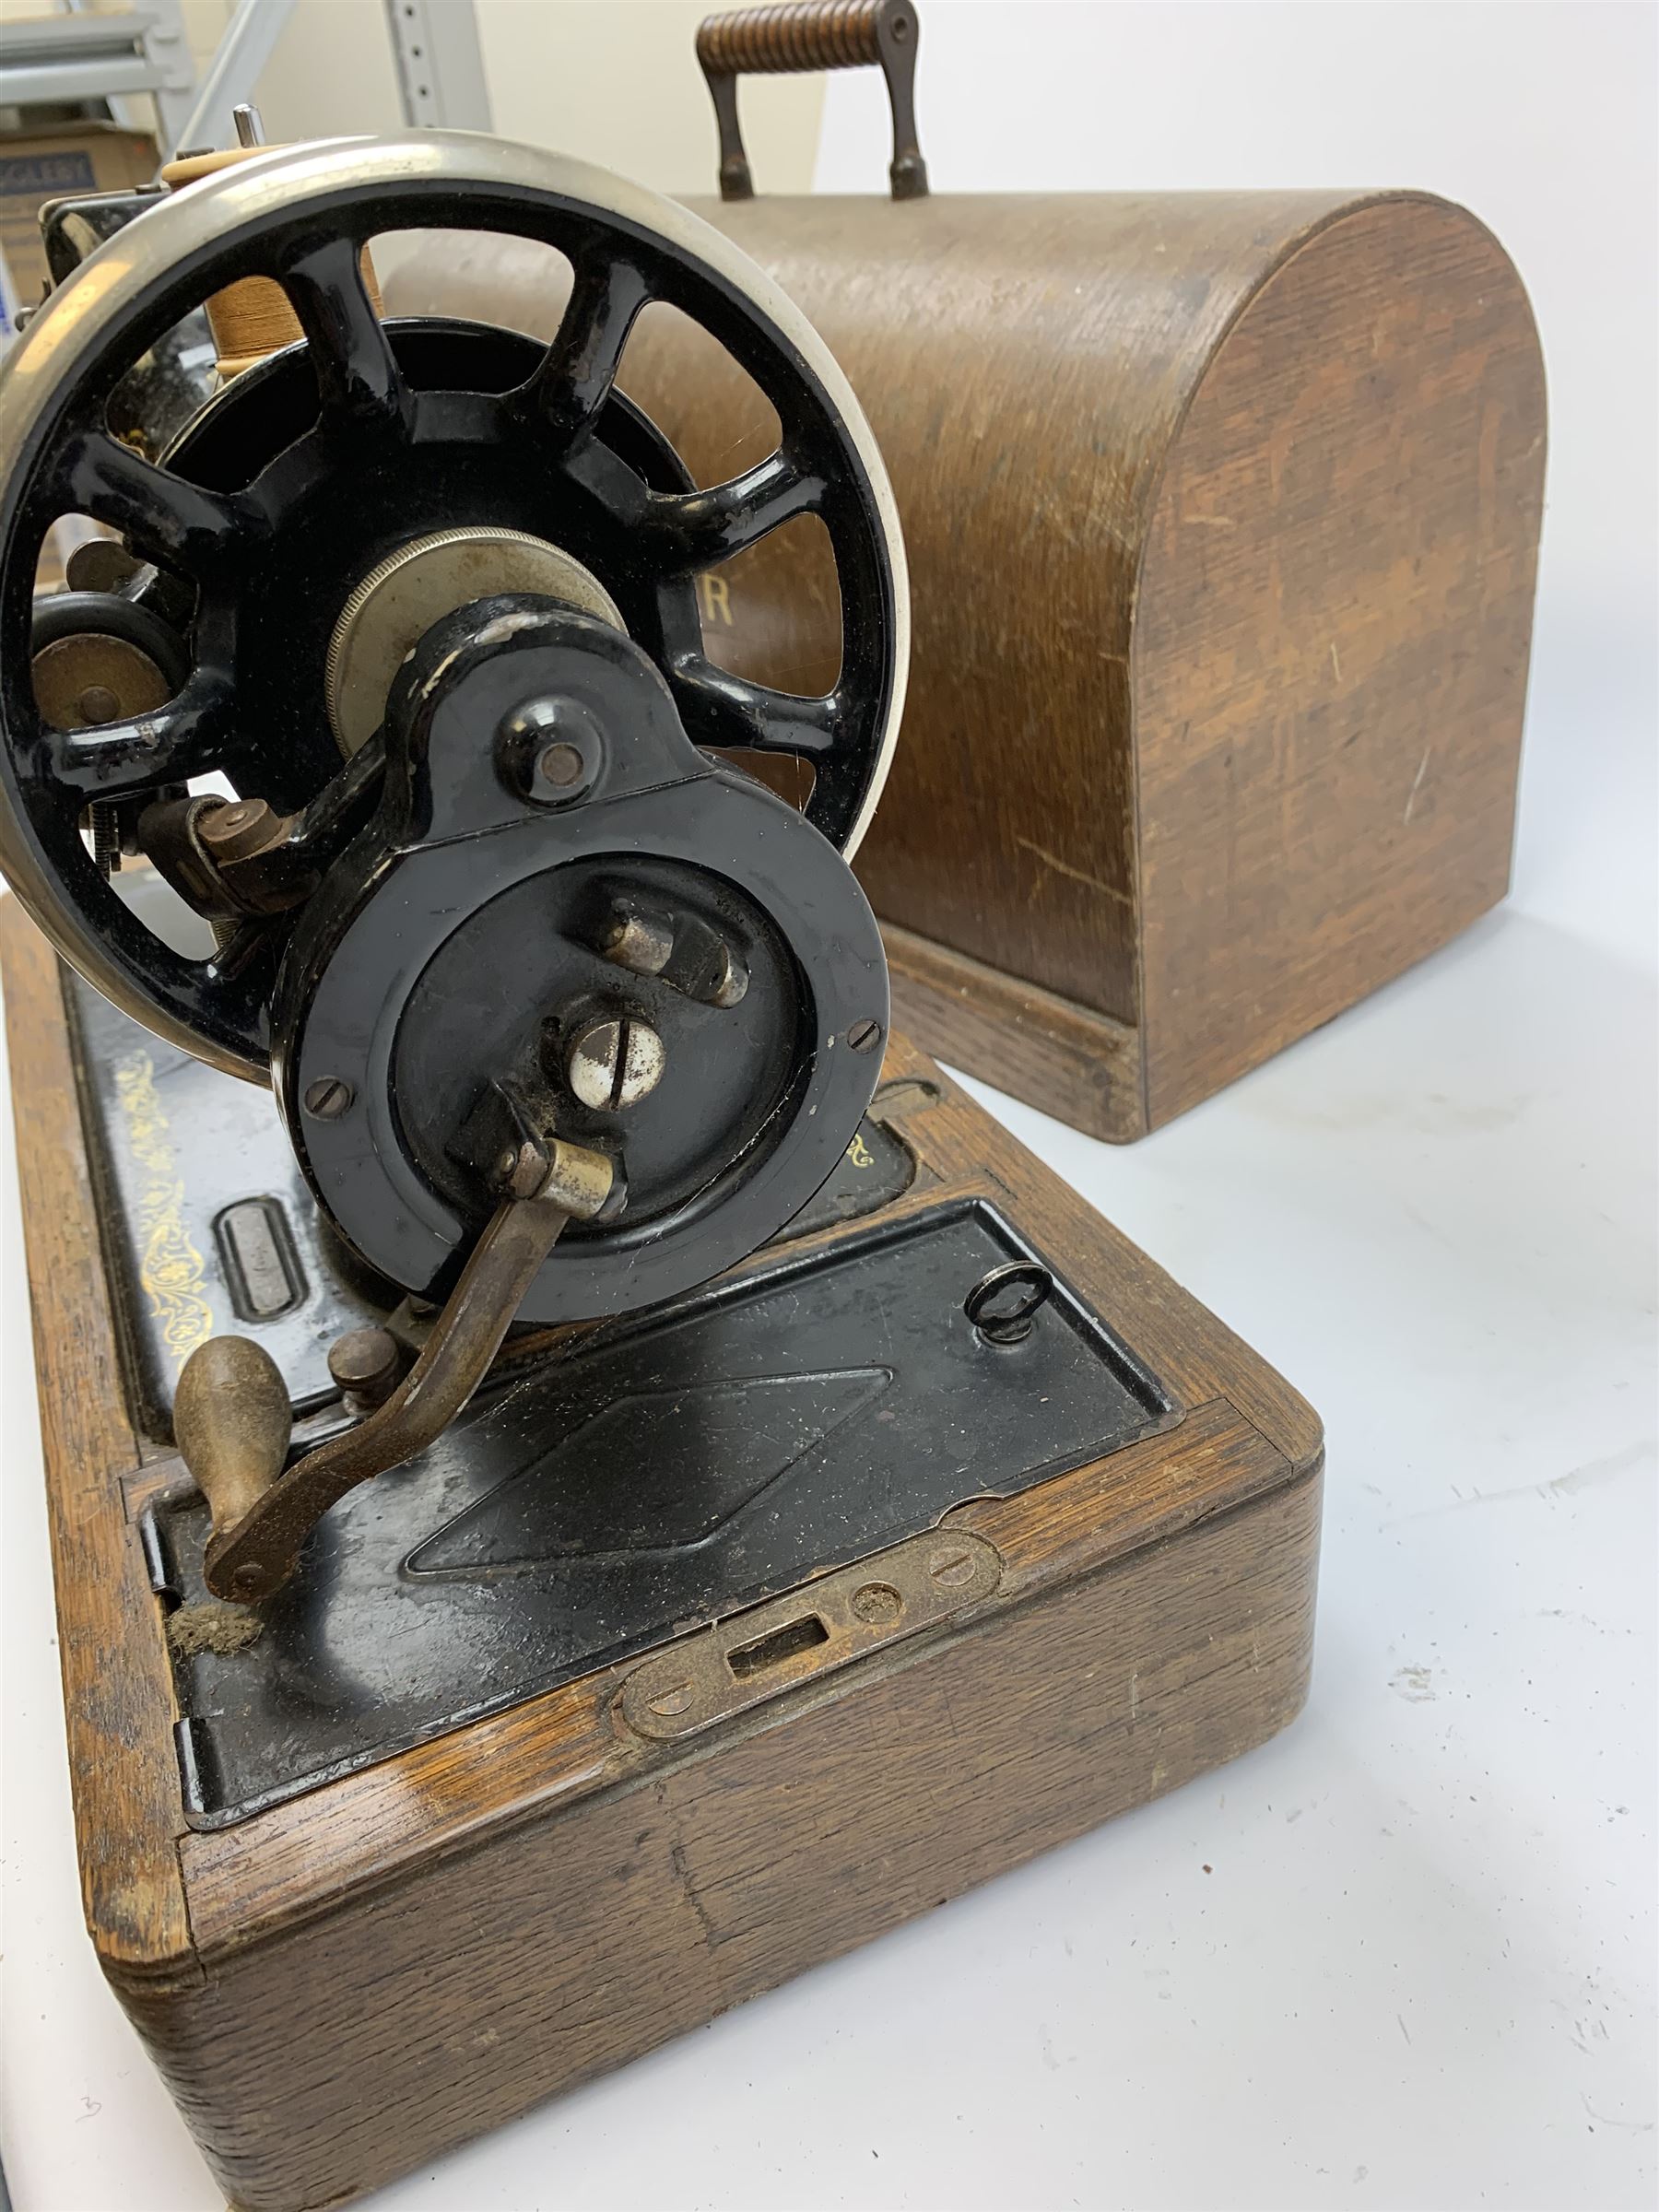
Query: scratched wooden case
x,y
347,1984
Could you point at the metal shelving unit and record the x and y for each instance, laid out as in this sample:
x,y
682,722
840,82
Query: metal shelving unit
x,y
85,60
81,59
440,63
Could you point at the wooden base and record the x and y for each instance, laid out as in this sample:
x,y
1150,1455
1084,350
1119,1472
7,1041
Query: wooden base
x,y
352,1981
1081,1066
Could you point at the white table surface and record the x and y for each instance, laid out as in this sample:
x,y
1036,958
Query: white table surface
x,y
1403,1956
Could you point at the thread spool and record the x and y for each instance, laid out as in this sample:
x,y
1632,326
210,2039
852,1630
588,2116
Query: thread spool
x,y
253,317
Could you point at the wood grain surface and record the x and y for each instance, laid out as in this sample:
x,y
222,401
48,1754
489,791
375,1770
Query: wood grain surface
x,y
444,2004
1081,1066
1347,525
117,1686
349,1984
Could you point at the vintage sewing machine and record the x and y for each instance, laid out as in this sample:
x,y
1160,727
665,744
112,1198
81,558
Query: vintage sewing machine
x,y
586,1475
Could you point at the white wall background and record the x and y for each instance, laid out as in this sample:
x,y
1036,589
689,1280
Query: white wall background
x,y
612,81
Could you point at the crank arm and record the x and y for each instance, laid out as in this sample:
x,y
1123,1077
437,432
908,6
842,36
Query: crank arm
x,y
233,1421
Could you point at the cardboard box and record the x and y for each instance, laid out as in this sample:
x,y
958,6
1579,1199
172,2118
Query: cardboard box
x,y
37,165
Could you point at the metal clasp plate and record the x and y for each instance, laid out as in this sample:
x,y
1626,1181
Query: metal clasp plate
x,y
823,1625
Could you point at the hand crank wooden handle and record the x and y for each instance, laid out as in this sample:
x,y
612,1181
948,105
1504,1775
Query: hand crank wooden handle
x,y
814,34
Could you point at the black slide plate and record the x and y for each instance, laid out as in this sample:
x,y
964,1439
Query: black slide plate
x,y
717,1452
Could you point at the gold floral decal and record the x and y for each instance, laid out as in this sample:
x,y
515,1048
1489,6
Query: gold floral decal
x,y
171,1268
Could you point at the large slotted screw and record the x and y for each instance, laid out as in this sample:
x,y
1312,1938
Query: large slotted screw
x,y
614,1063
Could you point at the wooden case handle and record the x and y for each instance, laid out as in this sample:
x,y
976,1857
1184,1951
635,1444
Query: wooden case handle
x,y
814,34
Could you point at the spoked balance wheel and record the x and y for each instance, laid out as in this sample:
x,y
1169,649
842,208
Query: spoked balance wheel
x,y
337,498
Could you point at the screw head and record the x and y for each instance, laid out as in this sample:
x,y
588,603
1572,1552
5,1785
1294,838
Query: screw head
x,y
614,1063
879,1604
863,1036
561,764
360,1358
549,750
953,1568
327,1098
366,1364
97,704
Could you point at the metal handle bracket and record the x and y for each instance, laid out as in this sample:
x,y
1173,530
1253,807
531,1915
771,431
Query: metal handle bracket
x,y
814,34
